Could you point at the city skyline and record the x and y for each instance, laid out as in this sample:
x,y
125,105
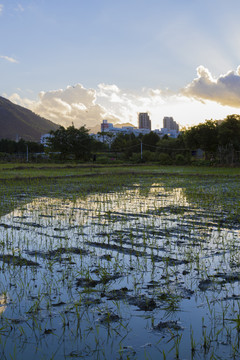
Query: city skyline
x,y
83,61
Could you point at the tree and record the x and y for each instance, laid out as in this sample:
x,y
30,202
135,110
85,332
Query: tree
x,y
11,146
150,141
71,141
229,132
127,144
8,146
229,139
172,146
120,142
203,136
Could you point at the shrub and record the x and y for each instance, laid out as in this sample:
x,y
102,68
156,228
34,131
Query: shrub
x,y
180,159
135,158
164,159
147,155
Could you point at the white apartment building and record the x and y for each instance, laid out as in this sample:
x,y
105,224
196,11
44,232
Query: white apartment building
x,y
109,132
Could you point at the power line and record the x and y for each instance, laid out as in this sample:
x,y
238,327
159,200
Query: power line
x,y
152,146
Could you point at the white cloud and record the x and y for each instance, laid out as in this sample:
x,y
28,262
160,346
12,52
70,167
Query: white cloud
x,y
224,90
108,88
75,104
82,106
89,107
125,105
1,8
9,59
16,98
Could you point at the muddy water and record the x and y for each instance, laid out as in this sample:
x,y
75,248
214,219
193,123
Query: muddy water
x,y
136,274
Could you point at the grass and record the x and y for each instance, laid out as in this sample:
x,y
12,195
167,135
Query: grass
x,y
31,171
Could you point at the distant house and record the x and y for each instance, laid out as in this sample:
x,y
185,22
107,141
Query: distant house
x,y
170,133
44,139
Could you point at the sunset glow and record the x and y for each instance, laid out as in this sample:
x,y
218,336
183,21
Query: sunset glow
x,y
83,61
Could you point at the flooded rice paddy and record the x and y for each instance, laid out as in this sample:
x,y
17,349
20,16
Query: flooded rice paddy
x,y
145,271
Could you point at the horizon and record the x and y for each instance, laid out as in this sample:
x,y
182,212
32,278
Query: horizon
x,y
83,62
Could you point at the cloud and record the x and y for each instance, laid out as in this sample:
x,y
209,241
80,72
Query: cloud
x,y
1,8
224,90
126,104
9,59
108,88
16,99
75,104
89,107
86,106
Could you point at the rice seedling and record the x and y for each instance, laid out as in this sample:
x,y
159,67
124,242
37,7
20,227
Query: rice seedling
x,y
133,249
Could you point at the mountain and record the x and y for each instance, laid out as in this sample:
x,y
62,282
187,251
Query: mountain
x,y
120,125
19,122
97,128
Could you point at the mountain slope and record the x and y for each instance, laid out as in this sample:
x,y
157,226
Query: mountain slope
x,y
17,121
97,128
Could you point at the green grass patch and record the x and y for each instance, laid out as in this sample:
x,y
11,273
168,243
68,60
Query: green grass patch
x,y
23,171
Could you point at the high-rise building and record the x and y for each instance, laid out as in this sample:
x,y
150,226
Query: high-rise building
x,y
144,121
170,124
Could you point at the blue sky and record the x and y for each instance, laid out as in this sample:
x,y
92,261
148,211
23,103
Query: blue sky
x,y
85,60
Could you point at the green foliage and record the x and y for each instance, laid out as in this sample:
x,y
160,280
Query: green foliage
x,y
14,147
180,160
229,132
165,137
219,140
5,156
147,155
203,136
127,144
172,147
17,150
135,158
72,141
164,159
150,141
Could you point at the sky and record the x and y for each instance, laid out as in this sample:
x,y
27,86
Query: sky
x,y
82,61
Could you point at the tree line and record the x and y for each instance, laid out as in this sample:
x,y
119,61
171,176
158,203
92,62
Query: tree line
x,y
13,147
217,141
220,140
10,149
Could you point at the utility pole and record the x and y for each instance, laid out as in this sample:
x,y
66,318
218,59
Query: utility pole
x,y
141,149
